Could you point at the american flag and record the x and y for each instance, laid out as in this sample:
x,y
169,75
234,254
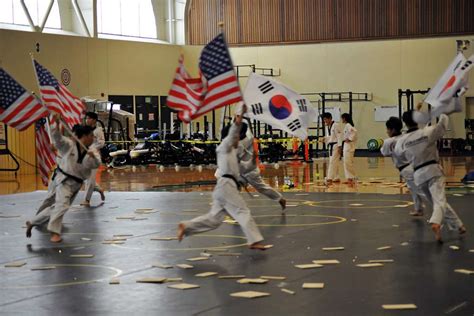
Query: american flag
x,y
217,86
45,157
18,107
57,98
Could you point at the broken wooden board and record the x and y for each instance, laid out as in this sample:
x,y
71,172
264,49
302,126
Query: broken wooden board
x,y
384,248
169,280
113,242
183,286
464,271
453,247
249,294
185,266
164,238
308,266
205,274
252,281
86,239
123,235
326,262
161,266
114,281
333,248
313,285
399,306
271,277
41,268
82,256
381,261
236,276
151,280
16,264
356,204
288,291
197,259
369,265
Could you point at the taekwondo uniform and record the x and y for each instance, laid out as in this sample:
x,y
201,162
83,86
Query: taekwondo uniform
x,y
418,146
333,140
350,135
249,172
226,196
99,142
406,170
73,168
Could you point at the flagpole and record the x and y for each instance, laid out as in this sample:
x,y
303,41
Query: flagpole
x,y
71,133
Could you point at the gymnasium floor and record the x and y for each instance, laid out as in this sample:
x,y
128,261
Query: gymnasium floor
x,y
370,221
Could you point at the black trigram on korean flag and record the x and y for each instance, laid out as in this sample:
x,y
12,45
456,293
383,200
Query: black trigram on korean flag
x,y
302,105
257,108
265,87
295,125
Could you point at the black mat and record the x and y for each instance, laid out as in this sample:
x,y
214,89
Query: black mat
x,y
422,272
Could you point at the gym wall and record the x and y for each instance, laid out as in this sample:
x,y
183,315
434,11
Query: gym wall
x,y
377,67
96,66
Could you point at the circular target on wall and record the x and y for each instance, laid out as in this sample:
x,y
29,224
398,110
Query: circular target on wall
x,y
65,76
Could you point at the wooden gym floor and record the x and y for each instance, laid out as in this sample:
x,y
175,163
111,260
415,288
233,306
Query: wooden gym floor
x,y
370,221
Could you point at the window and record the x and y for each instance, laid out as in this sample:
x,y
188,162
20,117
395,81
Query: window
x,y
11,12
126,17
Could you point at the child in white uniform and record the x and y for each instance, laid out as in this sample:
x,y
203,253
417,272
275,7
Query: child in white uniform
x,y
333,140
349,138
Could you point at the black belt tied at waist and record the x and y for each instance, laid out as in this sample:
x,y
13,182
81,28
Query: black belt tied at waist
x,y
77,179
431,162
229,176
403,167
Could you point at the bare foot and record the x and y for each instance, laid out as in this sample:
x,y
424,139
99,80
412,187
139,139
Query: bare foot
x,y
56,238
102,195
416,213
462,230
86,203
328,182
436,228
181,229
29,227
259,246
283,204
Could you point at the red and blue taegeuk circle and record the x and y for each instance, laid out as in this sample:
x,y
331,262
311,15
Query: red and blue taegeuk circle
x,y
280,107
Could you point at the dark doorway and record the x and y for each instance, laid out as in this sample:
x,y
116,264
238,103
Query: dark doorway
x,y
125,101
147,113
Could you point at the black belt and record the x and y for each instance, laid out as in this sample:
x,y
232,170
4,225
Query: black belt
x,y
229,176
403,167
431,162
77,179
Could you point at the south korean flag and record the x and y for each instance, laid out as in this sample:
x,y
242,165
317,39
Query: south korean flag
x,y
277,105
444,96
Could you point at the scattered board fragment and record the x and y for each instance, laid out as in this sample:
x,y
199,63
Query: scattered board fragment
x,y
249,294
82,256
151,280
185,266
183,286
123,235
164,238
308,266
464,271
288,291
168,280
236,276
384,248
252,281
270,277
197,259
40,268
125,217
333,248
205,274
399,306
356,204
313,285
382,261
369,265
114,281
86,239
454,247
325,262
162,266
17,264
